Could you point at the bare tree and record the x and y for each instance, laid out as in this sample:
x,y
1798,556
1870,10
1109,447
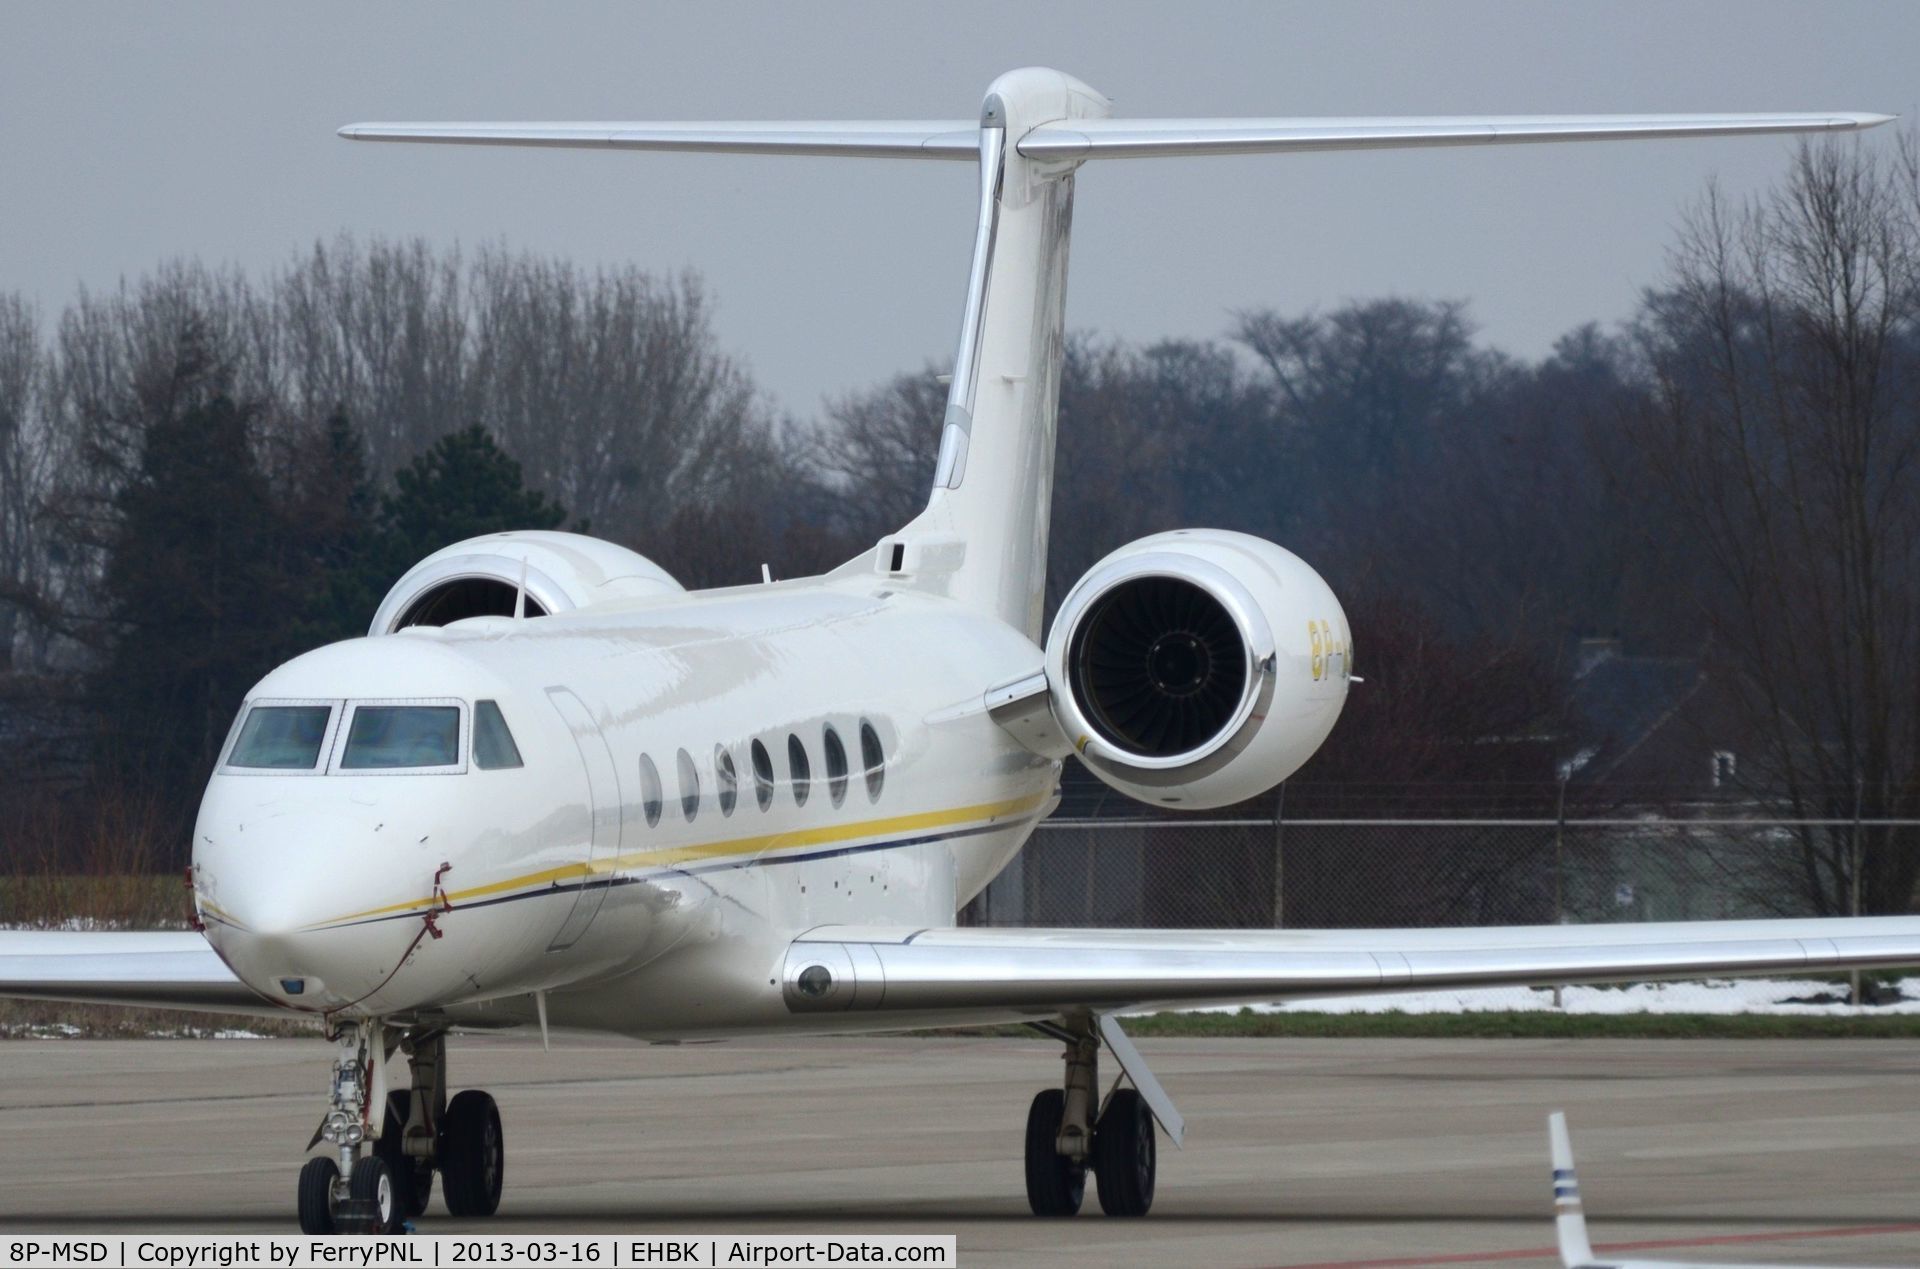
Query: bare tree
x,y
381,332
1785,358
612,390
882,444
25,452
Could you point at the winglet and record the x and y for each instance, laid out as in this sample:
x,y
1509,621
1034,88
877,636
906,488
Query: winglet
x,y
1570,1220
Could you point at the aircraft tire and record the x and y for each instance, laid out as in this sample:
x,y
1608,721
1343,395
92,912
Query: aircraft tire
x,y
473,1155
1125,1155
316,1196
376,1197
412,1178
1055,1184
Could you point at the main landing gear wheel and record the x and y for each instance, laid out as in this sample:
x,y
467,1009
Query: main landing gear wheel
x,y
412,1178
1124,1156
316,1196
473,1155
1055,1184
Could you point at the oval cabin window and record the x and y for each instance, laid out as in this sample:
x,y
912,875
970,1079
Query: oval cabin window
x,y
873,759
689,786
762,775
836,765
725,779
799,768
651,796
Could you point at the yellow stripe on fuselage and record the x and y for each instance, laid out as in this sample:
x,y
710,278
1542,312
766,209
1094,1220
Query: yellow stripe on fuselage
x,y
742,846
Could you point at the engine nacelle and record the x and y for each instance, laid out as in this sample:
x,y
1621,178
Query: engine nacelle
x,y
1199,667
482,577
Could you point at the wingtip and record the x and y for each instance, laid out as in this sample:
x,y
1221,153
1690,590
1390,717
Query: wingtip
x,y
1559,1144
1869,120
351,132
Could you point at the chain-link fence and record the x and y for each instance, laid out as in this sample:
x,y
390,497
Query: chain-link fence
x,y
1320,873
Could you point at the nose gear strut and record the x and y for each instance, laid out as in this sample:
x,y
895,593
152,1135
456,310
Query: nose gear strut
x,y
388,1143
354,1195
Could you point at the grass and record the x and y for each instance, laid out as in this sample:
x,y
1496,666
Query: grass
x,y
118,901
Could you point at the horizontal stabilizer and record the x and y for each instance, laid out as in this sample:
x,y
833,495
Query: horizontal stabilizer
x,y
882,139
1080,139
1176,138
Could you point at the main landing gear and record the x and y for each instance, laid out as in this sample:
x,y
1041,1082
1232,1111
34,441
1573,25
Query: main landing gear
x,y
388,1143
1070,1132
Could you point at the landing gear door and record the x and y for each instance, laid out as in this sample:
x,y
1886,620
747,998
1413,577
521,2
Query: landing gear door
x,y
603,782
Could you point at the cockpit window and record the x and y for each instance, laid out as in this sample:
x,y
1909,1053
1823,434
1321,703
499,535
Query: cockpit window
x,y
281,737
493,747
385,736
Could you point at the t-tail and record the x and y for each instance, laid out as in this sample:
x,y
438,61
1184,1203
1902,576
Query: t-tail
x,y
983,535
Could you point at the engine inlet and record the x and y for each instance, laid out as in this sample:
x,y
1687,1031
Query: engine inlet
x,y
1159,666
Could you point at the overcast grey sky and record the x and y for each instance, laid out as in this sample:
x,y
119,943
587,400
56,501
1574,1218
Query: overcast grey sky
x,y
132,133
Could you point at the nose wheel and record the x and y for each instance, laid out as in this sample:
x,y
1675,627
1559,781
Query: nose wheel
x,y
319,1201
387,1146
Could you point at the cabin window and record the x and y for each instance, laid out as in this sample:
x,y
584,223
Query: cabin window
x,y
762,775
493,747
836,765
281,737
799,768
726,780
874,759
651,798
384,737
689,786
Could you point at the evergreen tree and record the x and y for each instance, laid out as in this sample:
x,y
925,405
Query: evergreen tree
x,y
332,514
196,598
463,486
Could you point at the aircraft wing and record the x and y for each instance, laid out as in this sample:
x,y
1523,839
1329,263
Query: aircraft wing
x,y
160,970
1019,973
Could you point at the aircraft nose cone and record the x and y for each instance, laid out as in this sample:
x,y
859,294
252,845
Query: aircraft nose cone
x,y
277,948
291,901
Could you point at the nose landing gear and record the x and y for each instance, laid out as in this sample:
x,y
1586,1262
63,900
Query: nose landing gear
x,y
388,1144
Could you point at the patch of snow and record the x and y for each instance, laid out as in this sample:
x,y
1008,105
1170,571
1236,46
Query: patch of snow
x,y
1784,997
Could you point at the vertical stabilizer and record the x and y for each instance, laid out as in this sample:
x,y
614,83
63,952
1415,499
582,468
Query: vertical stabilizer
x,y
1569,1218
983,537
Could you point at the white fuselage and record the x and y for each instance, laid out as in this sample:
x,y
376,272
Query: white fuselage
x,y
610,880
574,874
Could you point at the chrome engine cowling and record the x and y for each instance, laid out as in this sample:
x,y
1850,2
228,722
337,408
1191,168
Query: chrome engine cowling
x,y
483,577
1199,667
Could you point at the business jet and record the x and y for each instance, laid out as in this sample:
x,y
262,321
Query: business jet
x,y
553,789
1570,1218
